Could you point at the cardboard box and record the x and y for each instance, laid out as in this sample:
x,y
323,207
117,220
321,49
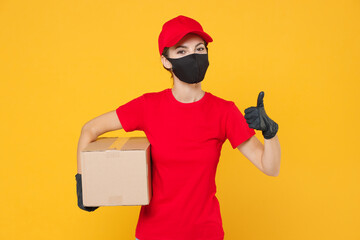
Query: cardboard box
x,y
116,171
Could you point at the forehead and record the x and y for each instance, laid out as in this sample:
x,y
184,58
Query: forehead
x,y
189,39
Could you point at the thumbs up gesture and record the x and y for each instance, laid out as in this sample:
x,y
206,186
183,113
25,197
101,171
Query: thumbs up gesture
x,y
257,118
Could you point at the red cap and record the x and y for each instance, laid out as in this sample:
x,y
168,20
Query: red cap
x,y
175,29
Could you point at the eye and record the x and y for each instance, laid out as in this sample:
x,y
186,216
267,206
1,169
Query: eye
x,y
200,49
180,52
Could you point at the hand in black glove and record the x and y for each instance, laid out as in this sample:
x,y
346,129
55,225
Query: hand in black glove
x,y
80,196
257,118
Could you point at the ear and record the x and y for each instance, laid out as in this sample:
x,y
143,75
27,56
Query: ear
x,y
166,62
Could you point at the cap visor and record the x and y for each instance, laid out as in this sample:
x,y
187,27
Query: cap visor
x,y
176,39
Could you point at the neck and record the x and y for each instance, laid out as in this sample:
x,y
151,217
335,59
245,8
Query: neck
x,y
187,93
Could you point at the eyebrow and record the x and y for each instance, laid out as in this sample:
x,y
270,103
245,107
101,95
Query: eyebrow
x,y
182,46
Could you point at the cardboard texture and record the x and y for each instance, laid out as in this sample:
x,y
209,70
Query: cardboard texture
x,y
116,171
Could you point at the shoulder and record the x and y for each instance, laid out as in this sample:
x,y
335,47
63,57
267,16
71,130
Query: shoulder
x,y
221,102
151,96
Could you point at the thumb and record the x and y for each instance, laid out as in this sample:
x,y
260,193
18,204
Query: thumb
x,y
260,102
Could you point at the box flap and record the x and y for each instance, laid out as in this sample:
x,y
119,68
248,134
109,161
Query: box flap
x,y
136,143
117,143
100,144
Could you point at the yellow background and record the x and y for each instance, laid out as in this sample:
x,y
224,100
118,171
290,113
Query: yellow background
x,y
63,63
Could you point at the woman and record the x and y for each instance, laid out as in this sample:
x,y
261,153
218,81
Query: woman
x,y
186,127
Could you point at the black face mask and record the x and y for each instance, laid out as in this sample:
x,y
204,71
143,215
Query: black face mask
x,y
191,68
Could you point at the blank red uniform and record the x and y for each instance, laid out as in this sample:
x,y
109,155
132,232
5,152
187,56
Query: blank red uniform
x,y
186,141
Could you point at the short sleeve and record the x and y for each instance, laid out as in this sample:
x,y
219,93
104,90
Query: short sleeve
x,y
237,129
131,114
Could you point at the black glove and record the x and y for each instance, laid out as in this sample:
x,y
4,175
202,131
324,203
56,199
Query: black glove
x,y
257,118
80,196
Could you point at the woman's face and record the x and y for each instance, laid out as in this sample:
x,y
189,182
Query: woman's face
x,y
191,43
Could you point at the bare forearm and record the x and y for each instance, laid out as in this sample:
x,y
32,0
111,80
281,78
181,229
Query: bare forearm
x,y
271,156
86,137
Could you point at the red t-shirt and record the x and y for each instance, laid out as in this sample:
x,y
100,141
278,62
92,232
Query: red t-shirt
x,y
186,140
